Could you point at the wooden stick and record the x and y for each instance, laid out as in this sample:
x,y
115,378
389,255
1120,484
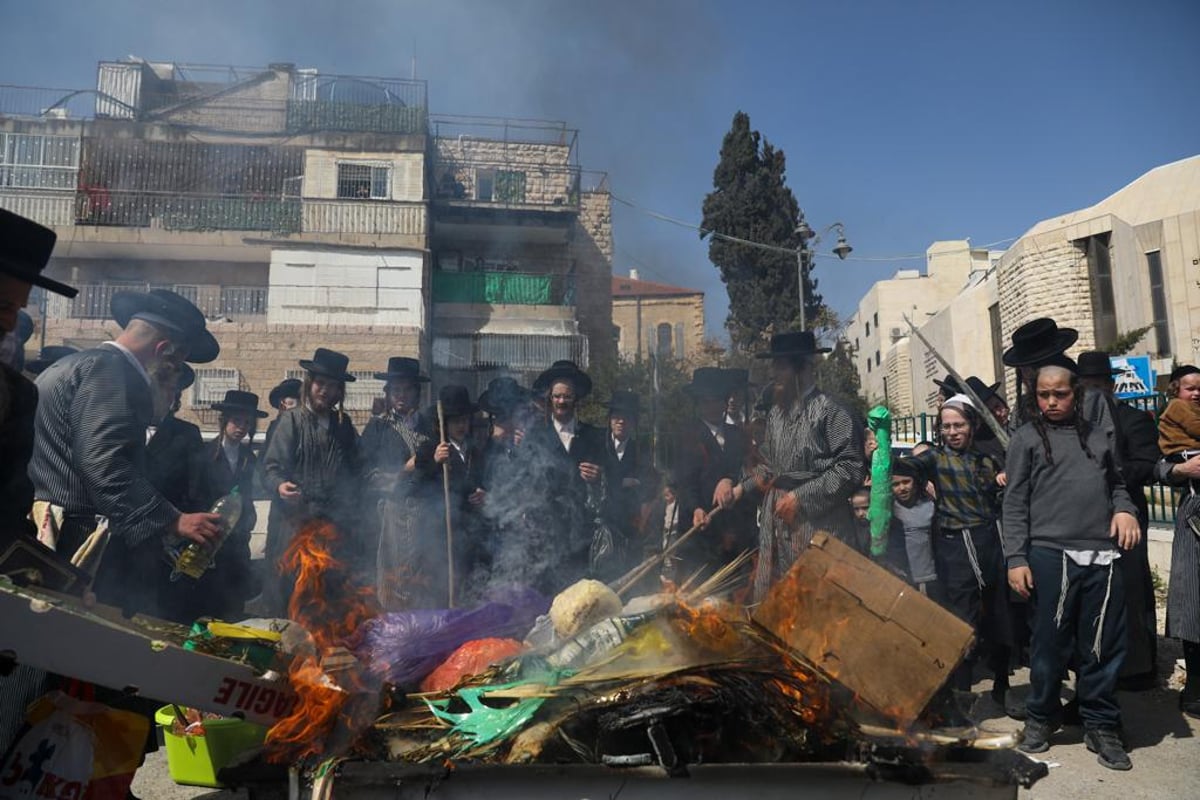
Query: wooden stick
x,y
984,412
626,581
446,497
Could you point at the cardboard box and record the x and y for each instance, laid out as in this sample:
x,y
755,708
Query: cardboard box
x,y
55,633
864,627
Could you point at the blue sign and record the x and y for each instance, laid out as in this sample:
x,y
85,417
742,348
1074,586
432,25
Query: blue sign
x,y
1134,377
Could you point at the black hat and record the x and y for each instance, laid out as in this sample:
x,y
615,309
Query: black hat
x,y
25,247
1095,364
739,378
708,382
1036,341
793,343
185,378
1183,371
456,401
908,468
624,401
245,402
50,353
983,391
175,313
1060,360
949,386
402,368
329,363
564,370
502,396
288,388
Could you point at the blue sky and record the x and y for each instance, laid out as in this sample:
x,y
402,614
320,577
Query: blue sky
x,y
907,121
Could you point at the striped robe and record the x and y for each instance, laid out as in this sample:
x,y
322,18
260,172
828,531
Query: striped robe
x,y
818,436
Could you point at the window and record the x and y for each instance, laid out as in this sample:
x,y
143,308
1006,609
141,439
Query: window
x,y
876,318
868,366
363,181
510,186
29,161
485,184
868,333
877,358
211,384
1104,308
663,345
679,340
997,339
1158,304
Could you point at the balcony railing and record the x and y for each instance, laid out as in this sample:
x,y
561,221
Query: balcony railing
x,y
504,288
95,299
183,212
379,217
352,103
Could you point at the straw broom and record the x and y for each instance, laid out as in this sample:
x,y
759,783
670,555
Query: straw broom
x,y
446,497
626,581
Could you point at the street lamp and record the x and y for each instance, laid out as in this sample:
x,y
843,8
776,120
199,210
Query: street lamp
x,y
804,251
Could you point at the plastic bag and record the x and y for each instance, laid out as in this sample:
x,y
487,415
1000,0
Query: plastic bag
x,y
470,659
75,750
404,646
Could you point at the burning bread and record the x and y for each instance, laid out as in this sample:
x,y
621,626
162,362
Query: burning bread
x,y
581,605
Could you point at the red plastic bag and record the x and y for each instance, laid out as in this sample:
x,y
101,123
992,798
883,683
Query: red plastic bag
x,y
74,750
469,659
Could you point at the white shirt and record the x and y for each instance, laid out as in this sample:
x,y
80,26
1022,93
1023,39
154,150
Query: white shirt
x,y
125,351
566,433
457,448
232,451
619,447
717,433
670,520
1087,558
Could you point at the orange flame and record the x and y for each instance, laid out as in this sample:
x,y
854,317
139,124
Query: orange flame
x,y
331,608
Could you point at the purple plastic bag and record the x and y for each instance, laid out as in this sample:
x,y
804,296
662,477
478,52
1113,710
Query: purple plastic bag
x,y
403,647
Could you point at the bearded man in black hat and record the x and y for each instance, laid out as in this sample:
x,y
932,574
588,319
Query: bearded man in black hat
x,y
90,458
393,520
813,461
312,470
25,249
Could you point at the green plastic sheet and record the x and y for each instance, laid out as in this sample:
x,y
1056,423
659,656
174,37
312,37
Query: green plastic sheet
x,y
484,724
879,422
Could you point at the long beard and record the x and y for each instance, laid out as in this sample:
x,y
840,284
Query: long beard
x,y
164,380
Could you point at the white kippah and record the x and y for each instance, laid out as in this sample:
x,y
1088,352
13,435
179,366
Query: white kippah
x,y
960,401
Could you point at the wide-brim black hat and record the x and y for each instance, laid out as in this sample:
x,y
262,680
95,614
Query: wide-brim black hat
x,y
402,368
287,388
738,377
25,248
49,354
1095,364
982,390
502,396
455,401
624,401
243,402
948,385
709,382
793,343
172,312
564,370
329,363
1036,341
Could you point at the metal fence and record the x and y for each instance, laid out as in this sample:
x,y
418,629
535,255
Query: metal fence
x,y
95,299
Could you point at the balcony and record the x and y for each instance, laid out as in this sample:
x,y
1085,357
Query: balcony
x,y
95,299
375,217
504,288
187,212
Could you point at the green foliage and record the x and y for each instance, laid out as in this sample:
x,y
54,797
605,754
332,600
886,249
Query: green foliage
x,y
1125,342
751,200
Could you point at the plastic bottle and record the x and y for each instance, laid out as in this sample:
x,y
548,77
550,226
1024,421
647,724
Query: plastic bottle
x,y
194,558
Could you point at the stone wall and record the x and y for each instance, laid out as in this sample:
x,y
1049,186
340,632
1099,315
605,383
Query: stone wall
x,y
899,397
591,250
683,313
549,178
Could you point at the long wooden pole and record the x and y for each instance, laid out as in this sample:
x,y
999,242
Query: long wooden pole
x,y
446,497
984,412
634,575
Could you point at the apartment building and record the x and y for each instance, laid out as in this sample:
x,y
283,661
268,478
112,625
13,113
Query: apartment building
x,y
300,209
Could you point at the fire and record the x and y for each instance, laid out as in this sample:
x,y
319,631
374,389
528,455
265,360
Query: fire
x,y
327,603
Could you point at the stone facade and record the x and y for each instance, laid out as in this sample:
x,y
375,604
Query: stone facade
x,y
469,168
591,250
638,306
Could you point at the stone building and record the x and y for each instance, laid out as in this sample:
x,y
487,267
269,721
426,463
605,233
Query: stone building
x,y
656,318
300,209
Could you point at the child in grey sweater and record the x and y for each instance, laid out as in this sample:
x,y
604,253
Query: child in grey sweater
x,y
1066,513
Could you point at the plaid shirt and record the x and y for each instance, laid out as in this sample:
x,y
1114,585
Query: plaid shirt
x,y
967,494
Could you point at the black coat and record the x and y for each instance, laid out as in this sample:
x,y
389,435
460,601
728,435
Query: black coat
x,y
623,504
18,406
170,456
700,464
1137,441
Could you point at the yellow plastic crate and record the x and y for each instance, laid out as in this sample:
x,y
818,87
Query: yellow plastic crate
x,y
195,760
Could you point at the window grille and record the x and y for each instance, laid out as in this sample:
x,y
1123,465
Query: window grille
x,y
211,385
34,161
363,181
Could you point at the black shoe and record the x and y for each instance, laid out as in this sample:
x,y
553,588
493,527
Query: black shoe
x,y
1106,744
1036,737
1014,709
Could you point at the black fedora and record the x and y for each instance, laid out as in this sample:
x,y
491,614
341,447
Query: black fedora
x,y
185,378
50,353
1036,341
329,363
502,396
625,402
402,368
456,401
982,390
708,382
1095,364
564,370
738,377
25,248
244,402
949,386
172,312
286,388
793,343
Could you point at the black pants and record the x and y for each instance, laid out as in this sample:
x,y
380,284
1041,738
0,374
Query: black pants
x,y
970,566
